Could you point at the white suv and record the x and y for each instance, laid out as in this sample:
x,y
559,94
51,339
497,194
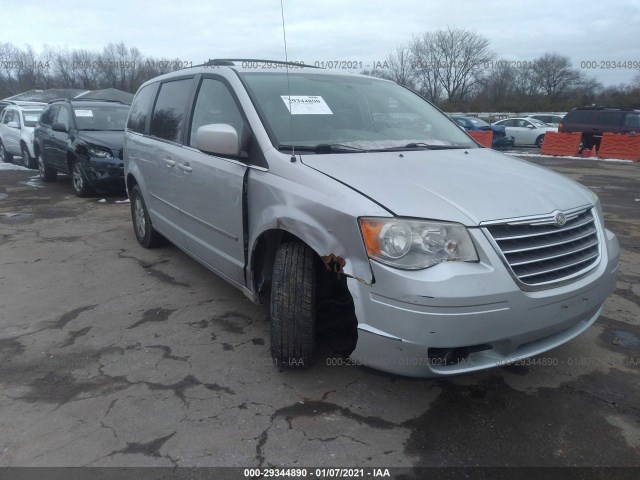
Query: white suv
x,y
16,133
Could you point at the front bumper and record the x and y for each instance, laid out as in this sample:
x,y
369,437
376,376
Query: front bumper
x,y
407,319
502,142
104,171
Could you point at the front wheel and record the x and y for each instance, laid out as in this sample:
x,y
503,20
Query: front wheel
x,y
79,181
4,155
146,235
27,160
293,306
47,174
540,141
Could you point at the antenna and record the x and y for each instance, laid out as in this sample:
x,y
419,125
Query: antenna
x,y
286,58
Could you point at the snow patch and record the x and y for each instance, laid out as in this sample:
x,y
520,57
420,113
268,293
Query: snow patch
x,y
12,166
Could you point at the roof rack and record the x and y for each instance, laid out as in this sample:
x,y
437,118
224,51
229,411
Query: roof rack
x,y
229,62
87,100
22,103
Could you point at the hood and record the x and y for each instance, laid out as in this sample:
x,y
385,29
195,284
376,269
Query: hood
x,y
453,185
104,138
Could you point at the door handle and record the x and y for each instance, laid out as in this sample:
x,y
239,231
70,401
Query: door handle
x,y
185,167
169,162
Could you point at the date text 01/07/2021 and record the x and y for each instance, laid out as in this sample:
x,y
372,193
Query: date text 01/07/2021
x,y
325,472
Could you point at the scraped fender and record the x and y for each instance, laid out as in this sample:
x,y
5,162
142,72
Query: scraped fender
x,y
338,242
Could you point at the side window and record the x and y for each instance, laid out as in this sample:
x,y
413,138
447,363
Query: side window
x,y
632,120
215,104
508,123
579,116
140,109
167,120
63,117
8,117
610,118
46,117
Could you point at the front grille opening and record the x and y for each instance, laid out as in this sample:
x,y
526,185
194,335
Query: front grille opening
x,y
543,253
444,357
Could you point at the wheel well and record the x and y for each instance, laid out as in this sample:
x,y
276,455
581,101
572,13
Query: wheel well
x,y
71,158
336,319
131,182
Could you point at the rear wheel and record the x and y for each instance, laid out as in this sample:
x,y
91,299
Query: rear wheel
x,y
146,235
293,306
540,141
80,183
4,155
27,160
47,174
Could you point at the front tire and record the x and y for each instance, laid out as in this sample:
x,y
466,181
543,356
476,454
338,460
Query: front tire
x,y
145,234
47,174
539,141
4,155
79,181
27,160
293,306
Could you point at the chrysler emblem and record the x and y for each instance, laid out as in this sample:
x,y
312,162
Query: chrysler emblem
x,y
560,219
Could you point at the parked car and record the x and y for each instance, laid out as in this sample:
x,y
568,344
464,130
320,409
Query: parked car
x,y
21,103
83,139
16,133
500,139
594,121
526,131
319,191
548,118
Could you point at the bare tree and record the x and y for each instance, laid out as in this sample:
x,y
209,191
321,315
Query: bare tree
x,y
452,61
463,56
555,75
500,82
400,66
424,63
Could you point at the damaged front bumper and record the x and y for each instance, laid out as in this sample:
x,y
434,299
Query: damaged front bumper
x,y
104,171
461,317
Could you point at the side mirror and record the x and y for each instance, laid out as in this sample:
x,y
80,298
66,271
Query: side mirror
x,y
59,127
13,125
530,126
218,138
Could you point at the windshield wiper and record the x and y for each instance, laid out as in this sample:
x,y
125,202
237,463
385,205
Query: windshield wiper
x,y
323,148
433,147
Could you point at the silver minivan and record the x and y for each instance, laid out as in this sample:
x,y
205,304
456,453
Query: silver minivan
x,y
343,198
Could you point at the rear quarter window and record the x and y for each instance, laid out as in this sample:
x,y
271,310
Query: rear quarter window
x,y
140,108
168,118
632,120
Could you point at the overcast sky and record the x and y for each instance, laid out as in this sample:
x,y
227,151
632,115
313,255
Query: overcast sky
x,y
361,31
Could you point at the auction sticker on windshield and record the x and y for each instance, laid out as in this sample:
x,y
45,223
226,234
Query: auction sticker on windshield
x,y
31,118
84,113
306,105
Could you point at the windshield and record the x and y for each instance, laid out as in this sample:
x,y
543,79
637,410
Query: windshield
x,y
358,112
101,117
479,123
30,117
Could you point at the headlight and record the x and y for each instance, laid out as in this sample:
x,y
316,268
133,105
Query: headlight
x,y
99,153
415,244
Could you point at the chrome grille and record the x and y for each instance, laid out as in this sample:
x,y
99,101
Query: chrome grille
x,y
541,253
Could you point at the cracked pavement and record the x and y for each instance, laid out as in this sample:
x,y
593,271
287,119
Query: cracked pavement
x,y
113,355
